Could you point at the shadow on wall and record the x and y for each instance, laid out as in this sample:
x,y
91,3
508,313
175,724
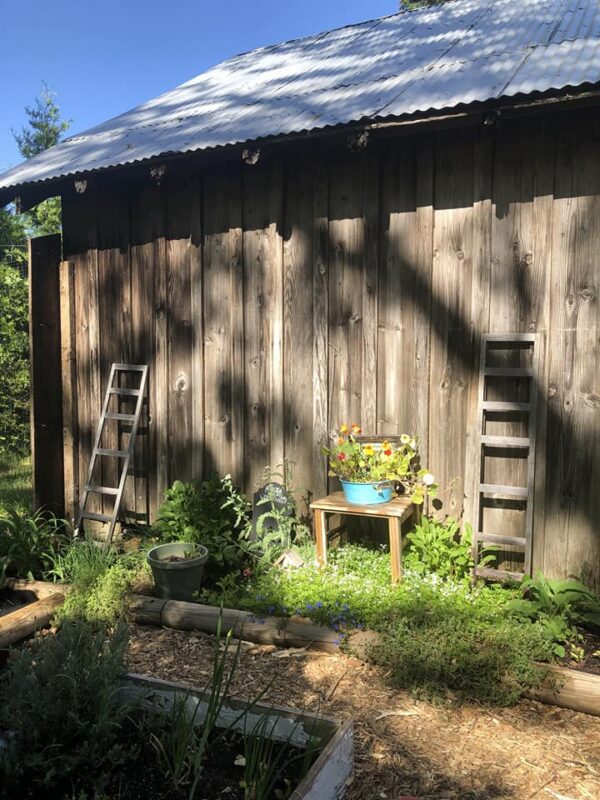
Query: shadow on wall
x,y
402,257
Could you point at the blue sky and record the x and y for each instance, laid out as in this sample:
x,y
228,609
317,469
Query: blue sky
x,y
103,57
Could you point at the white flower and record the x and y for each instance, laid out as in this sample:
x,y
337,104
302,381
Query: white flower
x,y
405,438
428,479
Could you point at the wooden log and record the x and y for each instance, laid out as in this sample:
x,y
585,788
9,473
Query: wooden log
x,y
41,589
293,632
569,688
28,619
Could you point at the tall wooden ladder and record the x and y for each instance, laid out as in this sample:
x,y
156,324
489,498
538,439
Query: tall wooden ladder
x,y
517,384
135,395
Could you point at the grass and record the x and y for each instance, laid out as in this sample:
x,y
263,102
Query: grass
x,y
15,483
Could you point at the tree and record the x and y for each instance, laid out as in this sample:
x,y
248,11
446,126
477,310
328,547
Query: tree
x,y
44,129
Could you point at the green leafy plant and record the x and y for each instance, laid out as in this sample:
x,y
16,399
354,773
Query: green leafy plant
x,y
561,606
212,513
279,526
357,462
30,543
14,361
59,712
440,547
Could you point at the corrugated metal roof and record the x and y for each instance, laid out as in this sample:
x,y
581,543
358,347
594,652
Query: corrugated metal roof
x,y
433,59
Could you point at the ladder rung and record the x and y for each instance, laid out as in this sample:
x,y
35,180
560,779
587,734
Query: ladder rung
x,y
103,451
511,491
508,372
101,489
505,441
124,392
123,417
503,405
493,538
129,367
498,574
511,338
96,517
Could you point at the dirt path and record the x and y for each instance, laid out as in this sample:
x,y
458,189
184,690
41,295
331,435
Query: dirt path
x,y
404,748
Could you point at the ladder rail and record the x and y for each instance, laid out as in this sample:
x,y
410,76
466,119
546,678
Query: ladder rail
x,y
525,494
140,393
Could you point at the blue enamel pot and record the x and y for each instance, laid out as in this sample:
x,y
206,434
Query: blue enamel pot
x,y
367,494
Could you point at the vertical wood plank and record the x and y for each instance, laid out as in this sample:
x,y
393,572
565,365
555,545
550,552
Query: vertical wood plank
x,y
405,293
263,266
196,306
45,360
69,389
179,204
223,303
320,334
451,357
298,322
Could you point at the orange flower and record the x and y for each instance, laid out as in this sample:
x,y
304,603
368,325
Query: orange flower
x,y
356,429
387,451
341,440
342,457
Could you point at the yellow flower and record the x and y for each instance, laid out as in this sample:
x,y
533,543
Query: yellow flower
x,y
368,450
344,428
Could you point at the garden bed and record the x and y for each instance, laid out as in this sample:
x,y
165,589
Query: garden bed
x,y
325,780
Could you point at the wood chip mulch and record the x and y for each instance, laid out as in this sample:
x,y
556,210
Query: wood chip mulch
x,y
404,748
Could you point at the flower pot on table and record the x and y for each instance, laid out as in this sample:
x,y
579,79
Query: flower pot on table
x,y
367,494
177,576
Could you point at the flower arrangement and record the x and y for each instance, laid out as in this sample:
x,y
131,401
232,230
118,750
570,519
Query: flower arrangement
x,y
358,462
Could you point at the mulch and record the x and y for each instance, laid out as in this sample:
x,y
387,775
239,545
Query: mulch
x,y
404,748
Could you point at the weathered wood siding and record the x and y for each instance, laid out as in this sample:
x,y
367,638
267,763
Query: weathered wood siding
x,y
275,301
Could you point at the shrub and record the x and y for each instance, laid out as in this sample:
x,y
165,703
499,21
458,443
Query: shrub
x,y
14,362
100,581
59,712
30,543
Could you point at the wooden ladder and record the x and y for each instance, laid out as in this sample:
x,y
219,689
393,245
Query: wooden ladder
x,y
124,456
499,446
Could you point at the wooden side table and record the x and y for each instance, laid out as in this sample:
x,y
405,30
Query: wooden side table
x,y
396,512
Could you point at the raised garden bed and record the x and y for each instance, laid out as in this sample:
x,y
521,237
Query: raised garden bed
x,y
28,606
327,777
566,686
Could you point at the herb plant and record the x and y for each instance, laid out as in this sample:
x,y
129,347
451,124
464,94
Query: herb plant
x,y
440,547
59,703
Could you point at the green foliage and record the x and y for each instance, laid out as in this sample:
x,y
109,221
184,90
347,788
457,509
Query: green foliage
x,y
440,648
14,362
560,606
213,513
44,129
15,483
440,547
59,713
13,238
30,543
424,619
100,582
44,126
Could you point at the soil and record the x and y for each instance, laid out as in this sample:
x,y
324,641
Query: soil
x,y
404,747
590,660
175,559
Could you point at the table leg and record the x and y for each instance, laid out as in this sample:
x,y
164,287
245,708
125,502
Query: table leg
x,y
321,536
395,548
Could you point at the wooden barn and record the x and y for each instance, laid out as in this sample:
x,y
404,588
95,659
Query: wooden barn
x,y
331,230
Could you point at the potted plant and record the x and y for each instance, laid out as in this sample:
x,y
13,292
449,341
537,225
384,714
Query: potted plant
x,y
371,472
177,569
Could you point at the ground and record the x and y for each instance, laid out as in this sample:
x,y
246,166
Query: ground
x,y
404,748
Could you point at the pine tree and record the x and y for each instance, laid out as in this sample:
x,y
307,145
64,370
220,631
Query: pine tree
x,y
44,129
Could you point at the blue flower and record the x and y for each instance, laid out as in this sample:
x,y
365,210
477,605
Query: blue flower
x,y
309,606
318,604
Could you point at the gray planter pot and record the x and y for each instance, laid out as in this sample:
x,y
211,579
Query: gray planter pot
x,y
177,580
